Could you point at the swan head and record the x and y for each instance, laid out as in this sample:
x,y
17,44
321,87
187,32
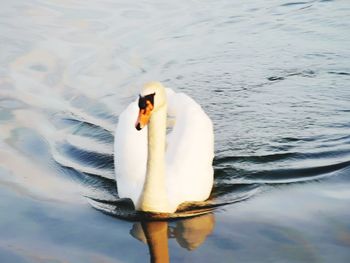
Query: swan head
x,y
152,97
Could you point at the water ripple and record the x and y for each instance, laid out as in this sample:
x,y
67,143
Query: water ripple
x,y
95,171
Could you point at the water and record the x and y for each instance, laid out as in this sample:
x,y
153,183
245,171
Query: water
x,y
273,77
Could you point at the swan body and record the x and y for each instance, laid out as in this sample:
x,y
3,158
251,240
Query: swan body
x,y
156,170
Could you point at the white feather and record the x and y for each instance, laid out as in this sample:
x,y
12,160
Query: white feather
x,y
189,153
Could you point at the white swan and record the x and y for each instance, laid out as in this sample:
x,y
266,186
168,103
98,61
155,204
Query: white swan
x,y
156,170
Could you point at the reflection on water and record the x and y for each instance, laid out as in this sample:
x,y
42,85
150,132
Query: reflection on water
x,y
157,240
189,233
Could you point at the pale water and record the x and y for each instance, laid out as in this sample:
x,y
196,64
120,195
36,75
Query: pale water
x,y
272,75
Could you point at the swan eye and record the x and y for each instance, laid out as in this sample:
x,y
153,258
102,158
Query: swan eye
x,y
143,100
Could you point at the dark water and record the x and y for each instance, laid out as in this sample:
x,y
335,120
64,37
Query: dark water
x,y
274,78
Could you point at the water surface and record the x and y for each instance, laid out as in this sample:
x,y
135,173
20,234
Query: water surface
x,y
273,77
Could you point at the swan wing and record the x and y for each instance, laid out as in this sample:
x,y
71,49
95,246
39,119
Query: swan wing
x,y
130,148
190,151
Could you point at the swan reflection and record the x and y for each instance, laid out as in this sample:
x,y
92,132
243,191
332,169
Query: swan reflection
x,y
189,234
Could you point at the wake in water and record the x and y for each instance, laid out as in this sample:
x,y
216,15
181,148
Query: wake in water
x,y
86,153
78,143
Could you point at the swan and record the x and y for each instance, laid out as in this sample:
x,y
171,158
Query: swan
x,y
156,168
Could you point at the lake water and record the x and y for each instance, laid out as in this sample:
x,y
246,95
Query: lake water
x,y
272,75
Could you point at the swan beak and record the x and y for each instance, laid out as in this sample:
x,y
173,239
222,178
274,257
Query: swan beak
x,y
144,116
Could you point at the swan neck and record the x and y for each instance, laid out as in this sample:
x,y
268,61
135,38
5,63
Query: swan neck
x,y
154,195
156,140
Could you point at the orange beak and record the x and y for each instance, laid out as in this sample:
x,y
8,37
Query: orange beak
x,y
144,116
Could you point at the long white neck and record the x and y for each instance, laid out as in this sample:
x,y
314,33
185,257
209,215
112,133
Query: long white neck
x,y
154,195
